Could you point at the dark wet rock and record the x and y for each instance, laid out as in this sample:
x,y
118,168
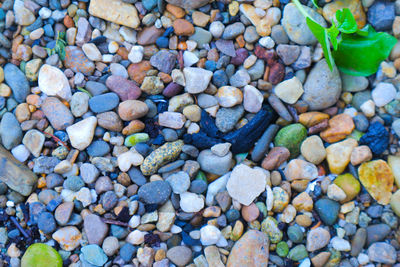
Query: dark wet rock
x,y
376,138
157,192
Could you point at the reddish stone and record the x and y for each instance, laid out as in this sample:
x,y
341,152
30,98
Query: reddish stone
x,y
183,27
275,158
123,87
138,71
149,35
241,55
276,73
76,60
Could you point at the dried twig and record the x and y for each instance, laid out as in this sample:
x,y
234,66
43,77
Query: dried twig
x,y
58,140
14,220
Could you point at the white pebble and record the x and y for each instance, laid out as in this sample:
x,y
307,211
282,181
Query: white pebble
x,y
217,28
136,54
107,58
383,94
44,13
363,258
20,152
175,229
134,221
113,47
209,235
267,42
368,108
10,204
189,58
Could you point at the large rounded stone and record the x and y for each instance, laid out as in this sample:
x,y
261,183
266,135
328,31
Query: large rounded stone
x,y
252,249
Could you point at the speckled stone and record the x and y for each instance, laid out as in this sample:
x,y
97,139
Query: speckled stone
x,y
159,157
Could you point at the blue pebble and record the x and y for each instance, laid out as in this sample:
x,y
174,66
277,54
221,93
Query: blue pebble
x,y
149,4
98,148
46,222
127,252
2,14
189,241
159,140
162,42
48,30
220,78
13,234
168,31
54,203
211,65
61,135
104,102
162,106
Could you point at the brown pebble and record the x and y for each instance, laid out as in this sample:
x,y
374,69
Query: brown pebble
x,y
250,213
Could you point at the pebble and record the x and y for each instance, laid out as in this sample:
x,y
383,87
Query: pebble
x,y
252,249
16,80
68,237
57,113
197,79
180,255
317,238
383,93
146,192
295,25
327,210
215,164
291,137
104,102
191,202
96,230
10,131
93,254
381,252
246,190
322,79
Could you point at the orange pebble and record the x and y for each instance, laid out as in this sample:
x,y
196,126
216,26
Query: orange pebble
x,y
176,11
33,100
240,41
321,170
82,5
266,74
41,182
123,52
202,62
166,78
68,22
65,103
182,46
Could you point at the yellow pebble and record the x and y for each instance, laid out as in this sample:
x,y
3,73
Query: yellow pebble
x,y
5,91
233,8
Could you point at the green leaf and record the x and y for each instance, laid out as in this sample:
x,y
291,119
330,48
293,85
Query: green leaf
x,y
361,55
333,33
41,255
315,3
84,90
322,36
346,23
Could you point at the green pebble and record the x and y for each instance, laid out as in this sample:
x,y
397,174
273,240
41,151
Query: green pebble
x,y
41,255
355,134
201,176
295,233
270,227
298,253
282,249
263,209
133,139
291,137
240,157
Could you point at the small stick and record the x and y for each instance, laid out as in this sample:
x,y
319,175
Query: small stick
x,y
14,220
58,140
110,221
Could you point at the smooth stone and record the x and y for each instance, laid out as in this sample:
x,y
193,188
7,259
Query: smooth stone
x,y
327,210
252,249
209,162
53,82
33,141
93,254
289,91
79,104
353,83
317,238
180,255
291,137
68,237
197,79
322,79
10,131
227,118
296,27
76,60
104,102
17,81
57,113
96,230
41,255
381,252
191,202
81,133
377,232
245,184
157,192
115,11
